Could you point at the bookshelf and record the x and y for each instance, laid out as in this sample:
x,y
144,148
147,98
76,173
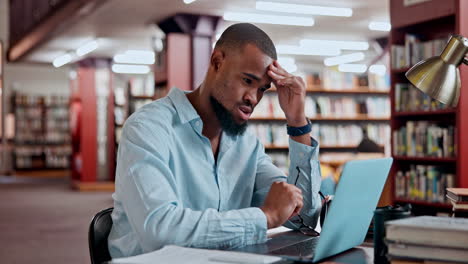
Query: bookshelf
x,y
418,34
338,115
358,117
42,133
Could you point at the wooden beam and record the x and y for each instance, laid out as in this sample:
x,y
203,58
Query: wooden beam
x,y
60,20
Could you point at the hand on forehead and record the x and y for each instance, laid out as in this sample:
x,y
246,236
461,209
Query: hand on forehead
x,y
276,72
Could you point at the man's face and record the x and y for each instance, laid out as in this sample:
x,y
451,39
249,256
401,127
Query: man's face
x,y
240,83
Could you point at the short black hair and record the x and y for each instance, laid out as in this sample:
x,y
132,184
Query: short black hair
x,y
238,35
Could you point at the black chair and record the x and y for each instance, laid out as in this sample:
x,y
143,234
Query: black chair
x,y
99,230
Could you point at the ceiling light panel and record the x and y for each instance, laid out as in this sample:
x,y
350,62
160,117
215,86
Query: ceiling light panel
x,y
380,26
130,69
346,45
304,9
298,50
62,60
87,48
135,57
269,19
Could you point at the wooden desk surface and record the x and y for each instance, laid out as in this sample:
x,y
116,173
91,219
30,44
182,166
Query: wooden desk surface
x,y
363,254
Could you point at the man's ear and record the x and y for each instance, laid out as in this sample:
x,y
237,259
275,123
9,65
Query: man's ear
x,y
217,58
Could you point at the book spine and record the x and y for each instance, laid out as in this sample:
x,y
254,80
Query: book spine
x,y
421,139
423,183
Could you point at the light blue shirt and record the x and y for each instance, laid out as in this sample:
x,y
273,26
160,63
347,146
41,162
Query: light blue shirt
x,y
170,190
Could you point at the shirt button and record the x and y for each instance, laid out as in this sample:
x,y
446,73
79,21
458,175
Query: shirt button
x,y
197,123
301,154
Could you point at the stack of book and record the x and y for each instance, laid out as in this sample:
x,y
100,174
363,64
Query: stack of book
x,y
425,239
459,199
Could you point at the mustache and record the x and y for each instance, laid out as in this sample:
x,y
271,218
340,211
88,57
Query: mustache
x,y
249,105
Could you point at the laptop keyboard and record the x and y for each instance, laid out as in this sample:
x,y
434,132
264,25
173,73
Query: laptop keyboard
x,y
304,248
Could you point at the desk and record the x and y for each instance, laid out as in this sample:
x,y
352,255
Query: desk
x,y
363,254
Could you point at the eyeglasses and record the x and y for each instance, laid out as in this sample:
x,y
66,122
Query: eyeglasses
x,y
306,229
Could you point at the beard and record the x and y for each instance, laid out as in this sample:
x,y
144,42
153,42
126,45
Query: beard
x,y
225,118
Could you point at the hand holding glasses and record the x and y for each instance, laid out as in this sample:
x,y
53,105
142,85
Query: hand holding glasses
x,y
306,229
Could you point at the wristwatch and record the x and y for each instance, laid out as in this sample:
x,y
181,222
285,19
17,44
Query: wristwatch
x,y
299,131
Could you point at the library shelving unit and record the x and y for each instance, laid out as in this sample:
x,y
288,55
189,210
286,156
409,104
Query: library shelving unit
x,y
334,119
42,136
416,26
268,122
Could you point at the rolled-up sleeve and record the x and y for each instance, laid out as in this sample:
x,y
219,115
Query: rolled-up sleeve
x,y
147,190
304,163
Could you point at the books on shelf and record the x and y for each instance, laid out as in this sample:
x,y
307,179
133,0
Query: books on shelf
x,y
280,160
424,139
142,85
415,50
42,135
328,106
410,98
332,79
327,135
428,238
424,183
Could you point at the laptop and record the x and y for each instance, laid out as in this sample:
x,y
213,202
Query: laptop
x,y
348,218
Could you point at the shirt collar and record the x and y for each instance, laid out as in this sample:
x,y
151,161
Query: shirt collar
x,y
184,108
187,113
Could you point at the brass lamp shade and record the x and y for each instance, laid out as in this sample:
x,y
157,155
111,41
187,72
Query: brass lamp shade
x,y
439,76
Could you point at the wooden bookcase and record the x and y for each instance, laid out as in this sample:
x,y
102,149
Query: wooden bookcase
x,y
335,120
42,137
430,20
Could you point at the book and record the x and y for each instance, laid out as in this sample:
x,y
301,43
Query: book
x,y
176,254
459,206
424,139
424,182
458,194
424,252
417,261
430,231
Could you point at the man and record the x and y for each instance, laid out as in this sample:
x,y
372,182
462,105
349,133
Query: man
x,y
188,175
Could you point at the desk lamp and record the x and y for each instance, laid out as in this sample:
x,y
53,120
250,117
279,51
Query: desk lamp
x,y
439,76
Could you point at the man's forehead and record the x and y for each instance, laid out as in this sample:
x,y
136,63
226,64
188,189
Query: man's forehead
x,y
254,61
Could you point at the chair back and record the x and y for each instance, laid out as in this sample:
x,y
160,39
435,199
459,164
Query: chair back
x,y
99,230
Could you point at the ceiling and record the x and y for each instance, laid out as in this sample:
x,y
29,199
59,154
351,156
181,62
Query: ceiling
x,y
121,24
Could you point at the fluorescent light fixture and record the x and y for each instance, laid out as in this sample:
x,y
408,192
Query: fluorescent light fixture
x,y
269,19
288,63
87,48
353,57
356,68
62,60
378,69
189,1
131,69
380,26
346,45
135,57
298,50
304,9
